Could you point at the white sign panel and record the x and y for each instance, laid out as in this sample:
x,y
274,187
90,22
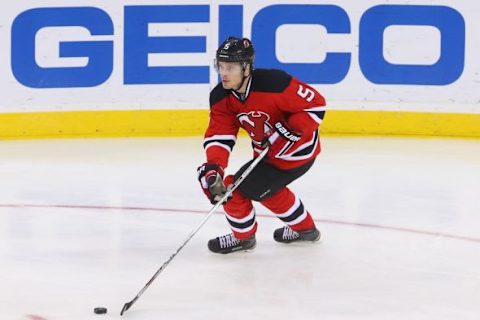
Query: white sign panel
x,y
129,55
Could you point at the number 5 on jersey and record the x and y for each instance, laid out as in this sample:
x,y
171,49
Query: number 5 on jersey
x,y
306,93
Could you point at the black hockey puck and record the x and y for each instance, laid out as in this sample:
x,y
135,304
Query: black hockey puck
x,y
100,310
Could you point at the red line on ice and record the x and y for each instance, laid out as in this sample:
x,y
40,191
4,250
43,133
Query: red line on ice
x,y
34,317
165,210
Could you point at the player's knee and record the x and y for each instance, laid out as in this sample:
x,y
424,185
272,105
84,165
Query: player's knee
x,y
238,205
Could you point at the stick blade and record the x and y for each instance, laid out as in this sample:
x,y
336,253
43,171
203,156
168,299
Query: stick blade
x,y
126,306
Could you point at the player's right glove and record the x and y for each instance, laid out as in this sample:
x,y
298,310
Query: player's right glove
x,y
210,176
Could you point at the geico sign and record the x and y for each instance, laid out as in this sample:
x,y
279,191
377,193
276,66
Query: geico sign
x,y
138,44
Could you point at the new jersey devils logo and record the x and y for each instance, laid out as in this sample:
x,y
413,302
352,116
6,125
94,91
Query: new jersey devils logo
x,y
256,124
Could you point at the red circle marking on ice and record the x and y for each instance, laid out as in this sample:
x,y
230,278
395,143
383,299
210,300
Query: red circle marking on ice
x,y
34,317
165,210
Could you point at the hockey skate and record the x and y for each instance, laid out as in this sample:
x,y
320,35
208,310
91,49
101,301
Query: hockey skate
x,y
228,244
287,235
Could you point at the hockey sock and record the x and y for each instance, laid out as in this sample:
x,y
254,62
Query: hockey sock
x,y
289,208
240,214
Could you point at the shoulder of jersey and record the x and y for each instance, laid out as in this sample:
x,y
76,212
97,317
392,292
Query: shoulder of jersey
x,y
270,80
217,94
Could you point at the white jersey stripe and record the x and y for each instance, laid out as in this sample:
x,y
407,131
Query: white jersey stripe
x,y
315,117
221,137
316,109
291,157
218,144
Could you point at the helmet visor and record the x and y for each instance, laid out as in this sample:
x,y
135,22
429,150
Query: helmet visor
x,y
224,67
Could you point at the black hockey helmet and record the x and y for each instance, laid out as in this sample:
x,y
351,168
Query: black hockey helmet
x,y
236,50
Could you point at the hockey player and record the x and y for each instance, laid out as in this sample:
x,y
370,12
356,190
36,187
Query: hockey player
x,y
276,110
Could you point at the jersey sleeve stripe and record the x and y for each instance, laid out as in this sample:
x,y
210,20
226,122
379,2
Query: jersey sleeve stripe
x,y
224,141
221,137
317,113
307,149
217,144
317,116
303,152
316,109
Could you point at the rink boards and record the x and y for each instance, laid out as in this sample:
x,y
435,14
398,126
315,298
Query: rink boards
x,y
130,68
144,123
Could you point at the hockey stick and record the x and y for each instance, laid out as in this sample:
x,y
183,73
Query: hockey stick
x,y
229,192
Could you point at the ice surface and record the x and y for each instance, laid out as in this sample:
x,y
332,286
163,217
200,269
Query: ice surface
x,y
85,223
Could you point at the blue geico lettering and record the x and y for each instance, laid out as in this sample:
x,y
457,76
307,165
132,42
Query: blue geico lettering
x,y
447,69
138,44
333,18
99,53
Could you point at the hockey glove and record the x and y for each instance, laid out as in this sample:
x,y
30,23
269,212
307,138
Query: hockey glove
x,y
279,139
210,176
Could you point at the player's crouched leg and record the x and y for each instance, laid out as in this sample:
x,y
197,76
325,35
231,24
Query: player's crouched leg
x,y
240,215
299,223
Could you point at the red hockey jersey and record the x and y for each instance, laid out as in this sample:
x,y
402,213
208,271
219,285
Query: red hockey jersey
x,y
272,96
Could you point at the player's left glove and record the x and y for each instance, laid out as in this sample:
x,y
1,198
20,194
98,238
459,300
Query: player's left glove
x,y
210,176
279,139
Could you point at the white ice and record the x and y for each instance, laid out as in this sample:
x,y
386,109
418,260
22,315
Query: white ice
x,y
85,223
